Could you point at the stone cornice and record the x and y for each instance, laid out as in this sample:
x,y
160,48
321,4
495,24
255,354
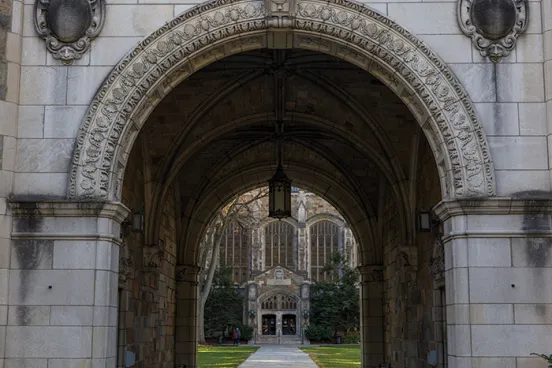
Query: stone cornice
x,y
492,206
114,211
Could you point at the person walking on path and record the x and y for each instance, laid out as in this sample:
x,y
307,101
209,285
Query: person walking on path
x,y
236,336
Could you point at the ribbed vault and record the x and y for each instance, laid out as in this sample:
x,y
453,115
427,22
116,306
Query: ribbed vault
x,y
347,137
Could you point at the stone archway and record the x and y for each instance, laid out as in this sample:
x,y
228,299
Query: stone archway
x,y
217,29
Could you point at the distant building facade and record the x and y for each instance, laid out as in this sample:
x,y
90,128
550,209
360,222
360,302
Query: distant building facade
x,y
276,261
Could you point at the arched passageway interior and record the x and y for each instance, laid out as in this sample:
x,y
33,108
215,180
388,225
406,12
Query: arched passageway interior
x,y
347,137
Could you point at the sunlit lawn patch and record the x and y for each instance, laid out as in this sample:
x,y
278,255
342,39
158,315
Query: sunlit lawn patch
x,y
223,356
339,356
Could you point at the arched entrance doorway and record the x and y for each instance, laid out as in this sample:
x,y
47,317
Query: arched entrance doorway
x,y
219,29
375,123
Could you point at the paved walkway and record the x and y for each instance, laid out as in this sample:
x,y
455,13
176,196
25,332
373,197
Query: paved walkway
x,y
275,356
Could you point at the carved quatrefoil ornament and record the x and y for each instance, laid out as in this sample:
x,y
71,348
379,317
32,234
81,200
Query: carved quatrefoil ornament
x,y
493,25
68,26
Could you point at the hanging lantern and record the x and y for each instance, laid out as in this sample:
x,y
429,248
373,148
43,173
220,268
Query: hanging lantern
x,y
279,195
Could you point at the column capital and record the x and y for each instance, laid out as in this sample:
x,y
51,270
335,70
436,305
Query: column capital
x,y
493,206
112,210
187,273
371,273
518,216
68,220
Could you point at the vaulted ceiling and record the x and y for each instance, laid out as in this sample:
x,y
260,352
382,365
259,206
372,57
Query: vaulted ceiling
x,y
345,134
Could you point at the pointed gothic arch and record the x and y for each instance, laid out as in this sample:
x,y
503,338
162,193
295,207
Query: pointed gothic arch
x,y
219,28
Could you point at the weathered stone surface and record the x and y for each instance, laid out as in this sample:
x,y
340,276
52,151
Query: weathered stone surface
x,y
533,313
510,285
37,342
29,316
532,252
505,340
74,255
32,254
32,287
71,316
44,155
26,363
489,253
488,314
64,121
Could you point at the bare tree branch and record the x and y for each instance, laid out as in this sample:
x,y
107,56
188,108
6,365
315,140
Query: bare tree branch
x,y
238,210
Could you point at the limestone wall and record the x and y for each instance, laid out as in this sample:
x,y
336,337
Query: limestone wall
x,y
413,298
509,96
147,288
10,59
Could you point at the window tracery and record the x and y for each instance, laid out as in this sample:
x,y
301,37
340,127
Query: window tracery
x,y
235,251
279,302
280,245
324,240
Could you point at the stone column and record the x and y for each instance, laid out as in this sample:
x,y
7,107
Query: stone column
x,y
62,304
371,312
186,333
498,272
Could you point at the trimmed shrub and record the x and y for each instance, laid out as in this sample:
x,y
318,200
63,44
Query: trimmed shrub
x,y
319,333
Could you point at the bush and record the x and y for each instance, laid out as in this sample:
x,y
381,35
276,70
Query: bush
x,y
246,332
351,338
319,333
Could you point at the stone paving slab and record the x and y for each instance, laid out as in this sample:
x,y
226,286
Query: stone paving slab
x,y
275,356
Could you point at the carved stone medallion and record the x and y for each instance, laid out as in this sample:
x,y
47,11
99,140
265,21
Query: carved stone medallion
x,y
493,25
68,26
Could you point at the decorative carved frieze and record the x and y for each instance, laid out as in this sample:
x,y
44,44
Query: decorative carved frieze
x,y
126,95
493,25
68,26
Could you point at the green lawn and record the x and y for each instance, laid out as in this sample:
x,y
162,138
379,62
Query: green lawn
x,y
338,356
223,356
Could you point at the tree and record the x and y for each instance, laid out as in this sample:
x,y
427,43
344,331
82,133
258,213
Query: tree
x,y
224,305
240,210
335,303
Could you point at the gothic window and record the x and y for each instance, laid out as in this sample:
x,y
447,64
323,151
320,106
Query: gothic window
x,y
270,303
288,302
324,239
279,245
234,251
279,302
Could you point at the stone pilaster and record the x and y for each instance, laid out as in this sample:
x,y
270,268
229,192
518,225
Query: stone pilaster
x,y
498,272
62,303
186,333
371,324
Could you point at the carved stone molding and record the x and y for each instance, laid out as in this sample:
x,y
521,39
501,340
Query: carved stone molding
x,y
371,273
220,28
493,25
68,26
126,265
153,256
187,273
437,261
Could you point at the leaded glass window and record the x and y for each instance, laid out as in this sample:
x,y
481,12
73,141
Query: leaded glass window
x,y
234,251
324,240
280,245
